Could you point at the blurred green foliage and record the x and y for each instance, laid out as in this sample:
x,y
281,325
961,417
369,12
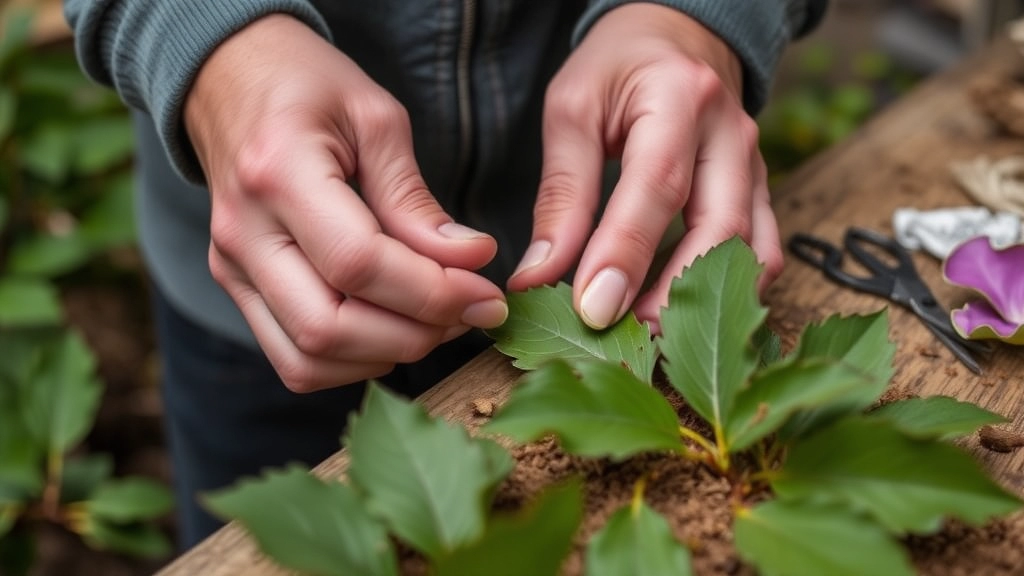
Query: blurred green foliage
x,y
65,199
827,99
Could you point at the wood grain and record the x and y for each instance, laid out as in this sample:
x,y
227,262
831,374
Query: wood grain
x,y
899,159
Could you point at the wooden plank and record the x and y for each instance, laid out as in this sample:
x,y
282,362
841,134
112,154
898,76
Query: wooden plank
x,y
899,159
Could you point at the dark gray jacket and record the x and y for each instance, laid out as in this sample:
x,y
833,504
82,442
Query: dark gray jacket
x,y
471,73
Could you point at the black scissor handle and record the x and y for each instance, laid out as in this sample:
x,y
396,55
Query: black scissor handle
x,y
855,241
828,258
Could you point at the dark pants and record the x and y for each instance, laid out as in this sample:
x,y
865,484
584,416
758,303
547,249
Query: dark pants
x,y
228,415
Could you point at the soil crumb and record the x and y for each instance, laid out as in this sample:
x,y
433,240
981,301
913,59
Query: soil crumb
x,y
1000,440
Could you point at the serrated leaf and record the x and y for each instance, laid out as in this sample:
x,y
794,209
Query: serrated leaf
x,y
401,459
308,524
636,540
60,403
789,539
595,408
542,326
129,500
28,302
936,416
712,314
860,341
907,484
533,541
136,539
777,392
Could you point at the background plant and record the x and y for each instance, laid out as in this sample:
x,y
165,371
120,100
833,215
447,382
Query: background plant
x,y
822,484
65,204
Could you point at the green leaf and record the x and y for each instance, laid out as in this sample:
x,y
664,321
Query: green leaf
x,y
47,152
908,484
141,540
859,341
768,345
401,459
110,221
636,540
45,255
83,474
542,326
28,302
534,541
61,401
775,393
307,524
594,407
9,512
788,539
936,416
713,311
102,143
129,500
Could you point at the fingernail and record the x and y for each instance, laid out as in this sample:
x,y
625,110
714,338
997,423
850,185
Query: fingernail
x,y
457,231
536,254
486,314
602,299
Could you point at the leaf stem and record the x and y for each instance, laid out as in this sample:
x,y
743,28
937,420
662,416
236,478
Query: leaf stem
x,y
697,439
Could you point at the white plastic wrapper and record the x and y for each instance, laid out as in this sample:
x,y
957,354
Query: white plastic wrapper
x,y
939,231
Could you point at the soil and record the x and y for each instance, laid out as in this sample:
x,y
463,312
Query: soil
x,y
696,503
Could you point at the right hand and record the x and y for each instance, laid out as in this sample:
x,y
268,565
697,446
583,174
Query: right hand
x,y
338,286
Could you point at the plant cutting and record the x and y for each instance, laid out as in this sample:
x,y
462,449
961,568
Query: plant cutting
x,y
822,481
995,274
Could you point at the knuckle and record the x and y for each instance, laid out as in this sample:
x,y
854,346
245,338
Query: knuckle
x,y
314,336
381,114
567,104
297,375
257,165
350,263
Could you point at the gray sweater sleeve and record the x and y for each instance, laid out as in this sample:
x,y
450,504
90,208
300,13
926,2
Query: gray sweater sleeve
x,y
757,30
151,50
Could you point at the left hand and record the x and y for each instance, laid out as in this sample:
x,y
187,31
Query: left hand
x,y
654,86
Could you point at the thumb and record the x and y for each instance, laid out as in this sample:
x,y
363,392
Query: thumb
x,y
395,191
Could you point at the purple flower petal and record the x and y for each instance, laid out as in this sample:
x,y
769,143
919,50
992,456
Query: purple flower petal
x,y
996,274
979,321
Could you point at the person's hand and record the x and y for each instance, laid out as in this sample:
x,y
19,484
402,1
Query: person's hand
x,y
654,86
337,286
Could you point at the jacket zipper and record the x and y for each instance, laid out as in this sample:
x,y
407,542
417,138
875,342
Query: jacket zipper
x,y
463,85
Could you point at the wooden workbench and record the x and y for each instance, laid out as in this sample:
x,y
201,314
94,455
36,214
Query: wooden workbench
x,y
899,159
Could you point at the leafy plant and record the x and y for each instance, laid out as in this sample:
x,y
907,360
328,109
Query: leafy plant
x,y
65,198
823,484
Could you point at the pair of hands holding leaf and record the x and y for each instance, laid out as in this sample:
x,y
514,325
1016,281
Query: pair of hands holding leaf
x,y
340,286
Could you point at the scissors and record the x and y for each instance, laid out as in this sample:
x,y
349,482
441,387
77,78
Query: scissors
x,y
899,283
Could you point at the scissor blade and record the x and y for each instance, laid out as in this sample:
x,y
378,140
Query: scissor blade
x,y
942,330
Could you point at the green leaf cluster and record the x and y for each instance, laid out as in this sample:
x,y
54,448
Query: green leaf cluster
x,y
65,199
49,395
824,484
65,173
790,431
413,479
